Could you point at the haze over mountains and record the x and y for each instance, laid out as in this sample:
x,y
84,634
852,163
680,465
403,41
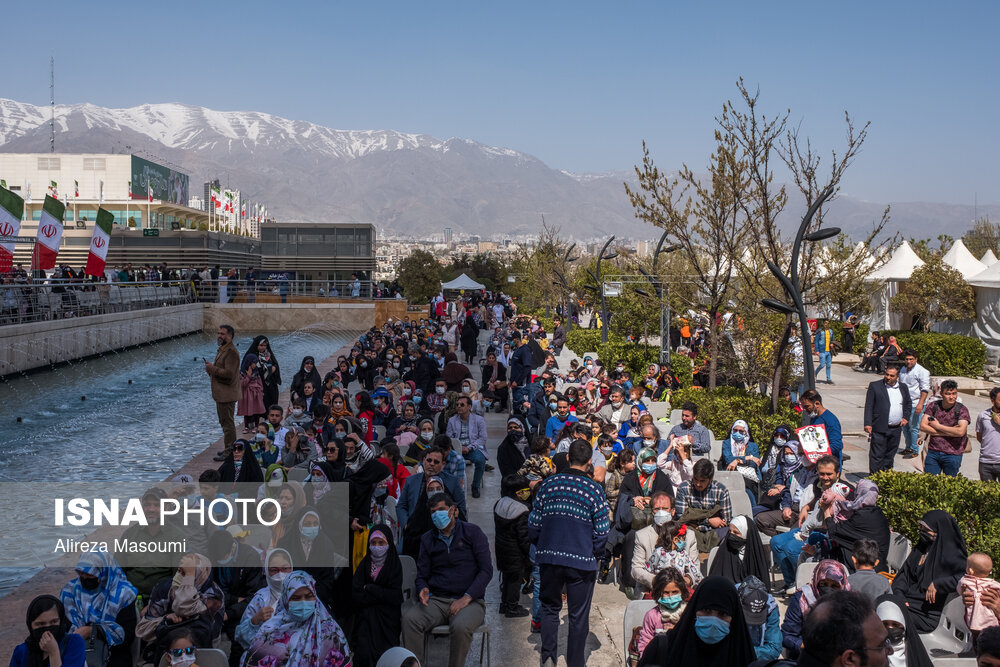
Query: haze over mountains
x,y
413,184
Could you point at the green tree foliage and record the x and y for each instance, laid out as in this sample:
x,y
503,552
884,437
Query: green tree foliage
x,y
936,292
537,270
419,276
944,354
719,408
482,267
844,289
984,236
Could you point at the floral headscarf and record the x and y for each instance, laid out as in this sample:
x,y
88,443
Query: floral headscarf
x,y
827,570
284,640
99,607
739,448
864,496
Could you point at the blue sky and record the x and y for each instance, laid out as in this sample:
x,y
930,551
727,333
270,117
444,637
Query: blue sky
x,y
579,85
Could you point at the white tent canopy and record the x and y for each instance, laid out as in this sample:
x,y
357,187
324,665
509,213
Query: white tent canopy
x,y
963,261
898,269
462,282
988,258
900,266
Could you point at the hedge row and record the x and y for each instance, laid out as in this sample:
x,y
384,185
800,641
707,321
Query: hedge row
x,y
906,496
719,408
583,341
945,354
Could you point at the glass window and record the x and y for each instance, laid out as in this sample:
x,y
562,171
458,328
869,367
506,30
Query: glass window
x,y
93,164
45,163
345,242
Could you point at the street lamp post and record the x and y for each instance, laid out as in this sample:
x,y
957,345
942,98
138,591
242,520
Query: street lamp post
x,y
791,285
604,303
664,303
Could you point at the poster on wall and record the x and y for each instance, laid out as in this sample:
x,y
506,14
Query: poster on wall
x,y
168,185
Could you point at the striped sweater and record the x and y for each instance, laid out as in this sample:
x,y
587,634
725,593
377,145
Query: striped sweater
x,y
569,523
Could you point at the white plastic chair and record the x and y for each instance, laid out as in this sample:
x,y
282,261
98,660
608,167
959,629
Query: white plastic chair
x,y
675,417
658,409
741,503
444,631
804,573
951,637
409,567
297,475
955,662
710,559
899,548
634,613
732,480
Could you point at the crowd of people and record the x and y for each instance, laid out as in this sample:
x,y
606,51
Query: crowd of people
x,y
590,483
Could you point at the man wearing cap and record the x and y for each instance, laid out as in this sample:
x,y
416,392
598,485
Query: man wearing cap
x,y
762,617
385,414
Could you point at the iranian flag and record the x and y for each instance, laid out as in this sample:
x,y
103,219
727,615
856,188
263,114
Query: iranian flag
x,y
76,189
54,189
130,189
11,211
149,189
50,230
99,243
216,196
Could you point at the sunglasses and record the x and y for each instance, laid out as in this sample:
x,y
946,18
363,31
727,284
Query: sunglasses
x,y
178,652
237,448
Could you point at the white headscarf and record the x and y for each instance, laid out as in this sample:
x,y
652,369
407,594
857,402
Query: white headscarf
x,y
740,522
887,611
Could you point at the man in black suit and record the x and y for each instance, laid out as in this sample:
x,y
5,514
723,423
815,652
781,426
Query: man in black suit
x,y
886,407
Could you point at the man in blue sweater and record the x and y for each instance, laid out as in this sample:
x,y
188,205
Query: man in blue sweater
x,y
569,527
453,570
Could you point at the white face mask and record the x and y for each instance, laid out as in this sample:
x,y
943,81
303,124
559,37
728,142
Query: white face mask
x,y
617,404
406,391
466,390
427,436
660,517
649,442
183,661
439,390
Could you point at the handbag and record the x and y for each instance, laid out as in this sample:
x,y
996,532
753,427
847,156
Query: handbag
x,y
641,517
360,548
98,652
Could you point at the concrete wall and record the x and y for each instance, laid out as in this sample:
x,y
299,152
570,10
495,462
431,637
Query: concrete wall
x,y
27,346
39,344
287,317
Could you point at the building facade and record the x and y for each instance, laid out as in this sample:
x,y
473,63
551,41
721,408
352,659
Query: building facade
x,y
318,251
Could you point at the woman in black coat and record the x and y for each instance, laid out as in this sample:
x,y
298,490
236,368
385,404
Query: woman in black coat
x,y
377,594
511,452
304,375
240,467
932,569
268,368
470,339
314,553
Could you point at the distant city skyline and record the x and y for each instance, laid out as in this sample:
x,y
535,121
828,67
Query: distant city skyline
x,y
578,86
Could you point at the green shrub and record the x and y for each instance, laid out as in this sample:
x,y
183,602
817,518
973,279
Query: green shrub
x,y
861,334
719,408
944,354
906,496
683,368
583,341
636,356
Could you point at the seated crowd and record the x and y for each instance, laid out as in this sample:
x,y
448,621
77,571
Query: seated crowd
x,y
400,419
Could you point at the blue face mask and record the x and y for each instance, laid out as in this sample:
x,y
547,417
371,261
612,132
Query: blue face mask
x,y
302,610
417,399
671,602
310,532
790,459
649,468
680,545
780,442
739,437
440,519
711,629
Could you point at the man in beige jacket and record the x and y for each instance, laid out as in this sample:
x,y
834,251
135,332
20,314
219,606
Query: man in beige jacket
x,y
226,391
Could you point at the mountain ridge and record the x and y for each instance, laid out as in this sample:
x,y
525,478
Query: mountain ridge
x,y
411,183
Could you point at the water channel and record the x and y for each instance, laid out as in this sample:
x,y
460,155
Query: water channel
x,y
136,415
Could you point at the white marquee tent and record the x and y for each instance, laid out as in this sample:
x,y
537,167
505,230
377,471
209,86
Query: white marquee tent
x,y
988,258
963,261
462,282
987,324
898,269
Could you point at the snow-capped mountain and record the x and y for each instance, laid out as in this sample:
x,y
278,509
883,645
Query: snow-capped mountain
x,y
411,183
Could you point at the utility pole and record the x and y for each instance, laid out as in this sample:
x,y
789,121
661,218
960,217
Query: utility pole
x,y
52,103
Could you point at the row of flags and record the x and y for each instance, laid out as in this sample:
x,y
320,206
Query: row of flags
x,y
53,190
50,231
225,201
